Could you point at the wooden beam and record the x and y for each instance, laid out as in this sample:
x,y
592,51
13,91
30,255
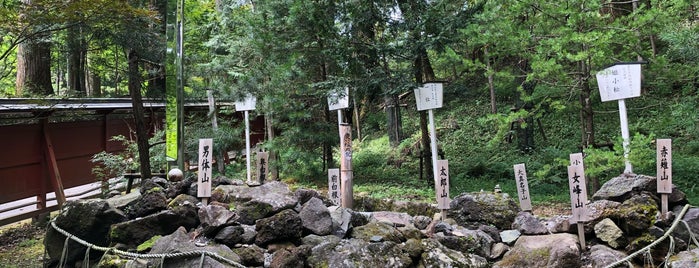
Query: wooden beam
x,y
50,160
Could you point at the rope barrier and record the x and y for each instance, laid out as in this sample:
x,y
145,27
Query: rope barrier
x,y
132,255
667,234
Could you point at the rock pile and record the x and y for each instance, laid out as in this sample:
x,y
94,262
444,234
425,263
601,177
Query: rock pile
x,y
272,226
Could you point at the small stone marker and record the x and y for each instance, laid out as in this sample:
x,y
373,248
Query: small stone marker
x,y
346,194
442,186
578,199
204,174
262,165
334,185
664,171
525,203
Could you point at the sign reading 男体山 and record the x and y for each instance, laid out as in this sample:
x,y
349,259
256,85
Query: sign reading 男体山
x,y
204,174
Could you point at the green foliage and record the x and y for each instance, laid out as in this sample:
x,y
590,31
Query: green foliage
x,y
114,164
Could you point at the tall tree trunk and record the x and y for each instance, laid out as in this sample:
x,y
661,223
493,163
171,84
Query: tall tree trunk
x,y
34,68
586,113
491,86
77,56
424,73
137,102
393,120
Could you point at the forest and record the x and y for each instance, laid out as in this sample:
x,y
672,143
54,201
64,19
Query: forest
x,y
519,81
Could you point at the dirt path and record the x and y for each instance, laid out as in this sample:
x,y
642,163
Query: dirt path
x,y
21,245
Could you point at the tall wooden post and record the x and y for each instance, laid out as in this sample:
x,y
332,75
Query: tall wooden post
x,y
346,194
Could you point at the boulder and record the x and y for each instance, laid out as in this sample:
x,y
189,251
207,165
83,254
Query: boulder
x,y
249,234
315,217
290,257
230,235
435,254
378,232
558,224
527,224
623,187
342,218
509,237
398,219
421,222
250,255
214,217
253,210
554,250
134,232
467,241
602,256
607,231
637,213
498,250
150,201
684,259
179,242
87,219
275,194
497,209
283,226
358,253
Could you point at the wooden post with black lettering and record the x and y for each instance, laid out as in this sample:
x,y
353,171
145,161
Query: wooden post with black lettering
x,y
346,194
204,174
525,202
578,195
664,172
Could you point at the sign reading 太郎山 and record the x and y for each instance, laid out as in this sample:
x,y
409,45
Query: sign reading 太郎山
x,y
442,184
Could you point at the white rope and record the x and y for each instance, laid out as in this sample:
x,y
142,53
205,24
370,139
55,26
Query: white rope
x,y
132,255
666,235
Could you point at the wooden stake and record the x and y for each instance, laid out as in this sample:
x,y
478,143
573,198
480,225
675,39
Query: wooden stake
x,y
50,158
663,205
581,235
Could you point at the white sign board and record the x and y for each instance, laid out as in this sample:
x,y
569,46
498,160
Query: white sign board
x,y
248,104
429,96
525,202
578,193
334,185
262,166
664,174
337,101
442,184
618,82
205,167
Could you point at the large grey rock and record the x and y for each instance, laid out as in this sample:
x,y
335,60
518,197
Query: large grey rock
x,y
378,231
179,241
151,201
134,232
87,219
290,257
622,187
435,255
498,209
316,217
358,253
230,235
527,224
214,217
607,231
467,241
250,255
421,222
253,210
342,220
684,259
283,226
510,236
602,256
398,219
276,194
637,213
558,224
555,250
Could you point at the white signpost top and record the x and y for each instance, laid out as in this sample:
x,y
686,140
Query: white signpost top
x,y
429,96
620,81
337,101
248,104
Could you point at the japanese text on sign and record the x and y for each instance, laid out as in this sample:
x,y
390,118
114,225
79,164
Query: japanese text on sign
x,y
664,166
334,185
262,159
442,184
525,202
578,193
429,96
618,82
204,174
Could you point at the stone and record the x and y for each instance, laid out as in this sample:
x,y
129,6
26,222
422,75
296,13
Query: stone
x,y
342,218
359,253
467,241
275,194
385,231
554,250
527,224
607,231
253,210
134,232
623,187
637,213
398,219
315,217
602,256
509,236
558,224
250,255
180,241
89,220
437,255
214,217
314,240
230,235
303,195
484,208
283,226
151,201
684,259
293,257
249,234
498,250
177,188
421,222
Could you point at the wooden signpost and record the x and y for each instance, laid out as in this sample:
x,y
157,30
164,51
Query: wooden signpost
x,y
262,166
429,97
247,105
619,82
525,202
664,172
346,194
442,187
334,185
204,174
338,101
578,195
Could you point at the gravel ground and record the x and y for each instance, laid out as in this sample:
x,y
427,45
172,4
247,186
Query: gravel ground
x,y
21,245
